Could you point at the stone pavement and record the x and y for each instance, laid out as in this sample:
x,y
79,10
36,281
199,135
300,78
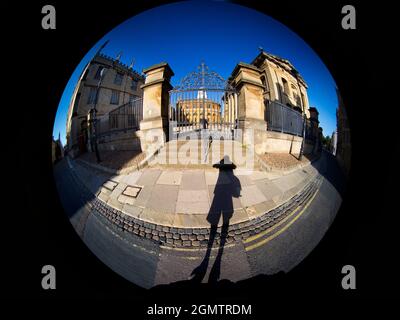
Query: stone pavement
x,y
163,202
149,254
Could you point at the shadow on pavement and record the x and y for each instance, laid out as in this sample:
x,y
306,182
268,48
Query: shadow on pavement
x,y
221,208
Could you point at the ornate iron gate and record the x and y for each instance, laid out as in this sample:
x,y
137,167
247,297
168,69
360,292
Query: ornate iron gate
x,y
203,104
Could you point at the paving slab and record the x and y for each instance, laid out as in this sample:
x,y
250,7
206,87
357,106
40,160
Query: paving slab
x,y
268,188
126,199
115,203
149,177
293,191
288,181
239,215
132,210
116,192
245,180
193,196
193,202
264,207
132,178
193,180
258,175
170,177
157,217
163,198
188,207
103,196
191,221
272,175
144,196
251,195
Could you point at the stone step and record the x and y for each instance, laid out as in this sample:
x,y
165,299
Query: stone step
x,y
193,152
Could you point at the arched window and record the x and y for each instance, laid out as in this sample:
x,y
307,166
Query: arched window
x,y
264,83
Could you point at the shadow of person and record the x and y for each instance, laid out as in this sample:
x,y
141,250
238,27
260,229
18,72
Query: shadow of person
x,y
221,210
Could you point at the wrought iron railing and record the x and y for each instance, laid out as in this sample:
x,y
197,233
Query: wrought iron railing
x,y
284,119
126,116
203,101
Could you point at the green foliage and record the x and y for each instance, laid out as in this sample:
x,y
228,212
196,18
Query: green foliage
x,y
326,141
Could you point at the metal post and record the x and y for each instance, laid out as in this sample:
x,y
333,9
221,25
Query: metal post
x,y
304,133
94,119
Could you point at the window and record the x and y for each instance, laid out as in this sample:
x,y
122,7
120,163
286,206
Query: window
x,y
114,97
264,82
92,95
134,84
98,73
285,86
118,78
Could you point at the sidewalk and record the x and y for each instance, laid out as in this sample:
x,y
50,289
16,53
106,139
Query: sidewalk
x,y
182,198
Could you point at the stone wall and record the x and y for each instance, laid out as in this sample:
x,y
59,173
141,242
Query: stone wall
x,y
126,140
309,148
278,142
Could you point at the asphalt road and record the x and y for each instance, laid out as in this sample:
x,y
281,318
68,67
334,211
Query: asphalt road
x,y
147,264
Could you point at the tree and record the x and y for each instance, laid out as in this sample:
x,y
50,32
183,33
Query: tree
x,y
326,142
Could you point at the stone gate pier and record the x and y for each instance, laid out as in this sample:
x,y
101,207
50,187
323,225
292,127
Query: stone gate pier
x,y
154,126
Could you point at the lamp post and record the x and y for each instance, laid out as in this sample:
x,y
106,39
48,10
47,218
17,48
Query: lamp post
x,y
93,112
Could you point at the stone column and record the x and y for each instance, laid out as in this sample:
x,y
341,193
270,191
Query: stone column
x,y
246,79
154,126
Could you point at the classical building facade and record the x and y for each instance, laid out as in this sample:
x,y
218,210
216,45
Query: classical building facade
x,y
106,84
273,105
282,82
192,110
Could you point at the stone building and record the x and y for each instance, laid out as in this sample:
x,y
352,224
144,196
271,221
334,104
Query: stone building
x,y
273,103
282,82
192,109
105,83
343,144
57,150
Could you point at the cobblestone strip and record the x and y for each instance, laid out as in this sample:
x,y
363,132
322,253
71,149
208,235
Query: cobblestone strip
x,y
197,237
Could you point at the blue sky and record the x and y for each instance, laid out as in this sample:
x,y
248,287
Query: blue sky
x,y
222,34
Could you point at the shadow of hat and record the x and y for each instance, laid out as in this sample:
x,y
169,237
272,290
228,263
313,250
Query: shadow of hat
x,y
225,164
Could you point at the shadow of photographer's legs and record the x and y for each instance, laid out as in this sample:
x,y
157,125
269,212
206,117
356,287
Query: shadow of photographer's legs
x,y
199,272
